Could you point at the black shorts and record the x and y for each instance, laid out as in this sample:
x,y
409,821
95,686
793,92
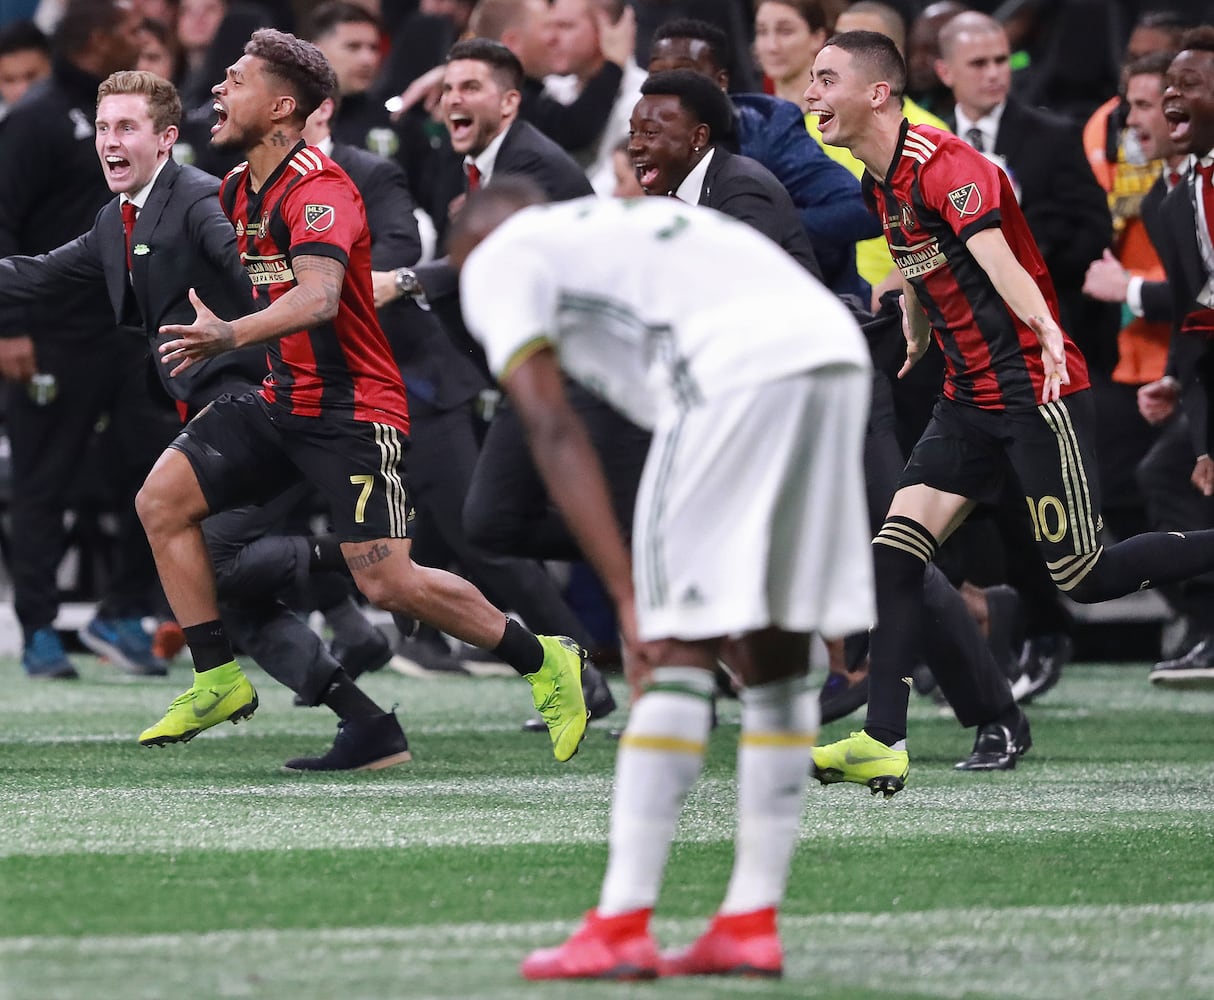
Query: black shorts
x,y
1045,452
245,451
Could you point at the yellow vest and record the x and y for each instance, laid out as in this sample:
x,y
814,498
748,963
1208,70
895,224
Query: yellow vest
x,y
872,256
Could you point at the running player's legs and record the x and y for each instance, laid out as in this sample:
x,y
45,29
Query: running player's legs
x,y
1051,451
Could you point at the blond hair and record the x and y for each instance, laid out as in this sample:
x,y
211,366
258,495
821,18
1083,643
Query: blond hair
x,y
164,103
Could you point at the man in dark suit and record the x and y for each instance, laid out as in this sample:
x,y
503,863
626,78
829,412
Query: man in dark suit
x,y
50,190
1178,217
164,236
675,148
1043,155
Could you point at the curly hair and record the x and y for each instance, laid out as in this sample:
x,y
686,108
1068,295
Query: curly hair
x,y
298,64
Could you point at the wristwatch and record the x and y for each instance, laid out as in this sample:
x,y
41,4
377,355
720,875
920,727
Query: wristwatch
x,y
407,283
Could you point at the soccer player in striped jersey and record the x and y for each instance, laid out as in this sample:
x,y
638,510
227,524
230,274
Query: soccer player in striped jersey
x,y
331,411
1015,407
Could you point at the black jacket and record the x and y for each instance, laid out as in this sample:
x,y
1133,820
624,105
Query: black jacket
x,y
182,240
51,188
746,190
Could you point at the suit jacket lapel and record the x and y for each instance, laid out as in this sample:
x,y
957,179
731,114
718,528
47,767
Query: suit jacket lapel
x,y
1178,215
1011,130
143,236
719,157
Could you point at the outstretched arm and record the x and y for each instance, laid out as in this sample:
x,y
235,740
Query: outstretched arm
x,y
1022,296
314,300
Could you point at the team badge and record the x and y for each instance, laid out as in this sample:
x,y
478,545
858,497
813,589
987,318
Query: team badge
x,y
141,250
966,200
319,218
907,216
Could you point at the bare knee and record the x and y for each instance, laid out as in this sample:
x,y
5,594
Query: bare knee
x,y
170,498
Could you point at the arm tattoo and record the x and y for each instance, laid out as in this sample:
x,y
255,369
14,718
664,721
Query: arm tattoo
x,y
323,276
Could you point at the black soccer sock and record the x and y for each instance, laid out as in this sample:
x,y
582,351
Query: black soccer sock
x,y
324,555
901,551
209,645
1140,562
347,699
520,648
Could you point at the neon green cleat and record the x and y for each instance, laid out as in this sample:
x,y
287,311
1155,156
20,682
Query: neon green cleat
x,y
556,689
864,760
220,695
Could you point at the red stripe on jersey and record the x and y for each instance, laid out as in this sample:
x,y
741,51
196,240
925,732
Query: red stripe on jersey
x,y
939,193
344,368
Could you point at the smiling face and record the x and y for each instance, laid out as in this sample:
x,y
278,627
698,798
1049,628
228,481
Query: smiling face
x,y
784,44
664,143
474,105
127,144
841,95
1188,102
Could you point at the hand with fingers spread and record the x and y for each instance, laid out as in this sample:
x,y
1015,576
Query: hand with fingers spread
x,y
207,336
1053,357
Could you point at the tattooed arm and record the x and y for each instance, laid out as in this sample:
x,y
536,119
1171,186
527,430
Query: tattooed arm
x,y
313,301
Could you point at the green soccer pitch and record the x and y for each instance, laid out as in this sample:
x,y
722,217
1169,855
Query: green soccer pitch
x,y
200,870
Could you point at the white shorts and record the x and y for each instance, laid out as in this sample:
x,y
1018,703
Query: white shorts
x,y
751,513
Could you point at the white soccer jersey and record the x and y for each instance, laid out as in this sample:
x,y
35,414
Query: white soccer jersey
x,y
655,305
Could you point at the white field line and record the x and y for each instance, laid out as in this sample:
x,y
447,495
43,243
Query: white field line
x,y
473,936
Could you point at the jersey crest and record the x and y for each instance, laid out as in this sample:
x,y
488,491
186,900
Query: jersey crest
x,y
967,200
319,218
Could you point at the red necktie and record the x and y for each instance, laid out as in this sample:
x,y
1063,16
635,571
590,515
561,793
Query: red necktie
x,y
474,178
129,211
1173,178
1206,188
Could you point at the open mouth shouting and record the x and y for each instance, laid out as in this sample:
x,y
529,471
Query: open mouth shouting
x,y
1178,123
461,127
221,117
647,175
825,118
117,168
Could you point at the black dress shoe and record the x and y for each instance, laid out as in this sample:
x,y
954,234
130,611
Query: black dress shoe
x,y
361,745
998,747
1041,661
1193,670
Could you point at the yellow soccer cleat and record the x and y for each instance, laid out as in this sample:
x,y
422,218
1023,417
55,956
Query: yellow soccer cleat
x,y
864,760
220,695
556,689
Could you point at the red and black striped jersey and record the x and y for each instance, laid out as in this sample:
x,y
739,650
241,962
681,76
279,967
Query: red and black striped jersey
x,y
938,192
309,207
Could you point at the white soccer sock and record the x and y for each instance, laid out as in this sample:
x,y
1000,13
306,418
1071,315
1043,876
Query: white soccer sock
x,y
659,760
779,727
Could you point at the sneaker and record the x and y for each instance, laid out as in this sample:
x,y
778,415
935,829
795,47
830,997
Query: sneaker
x,y
1193,670
361,745
556,690
997,748
740,944
168,640
1041,661
864,760
425,655
617,947
220,695
841,694
600,702
43,658
373,652
125,643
